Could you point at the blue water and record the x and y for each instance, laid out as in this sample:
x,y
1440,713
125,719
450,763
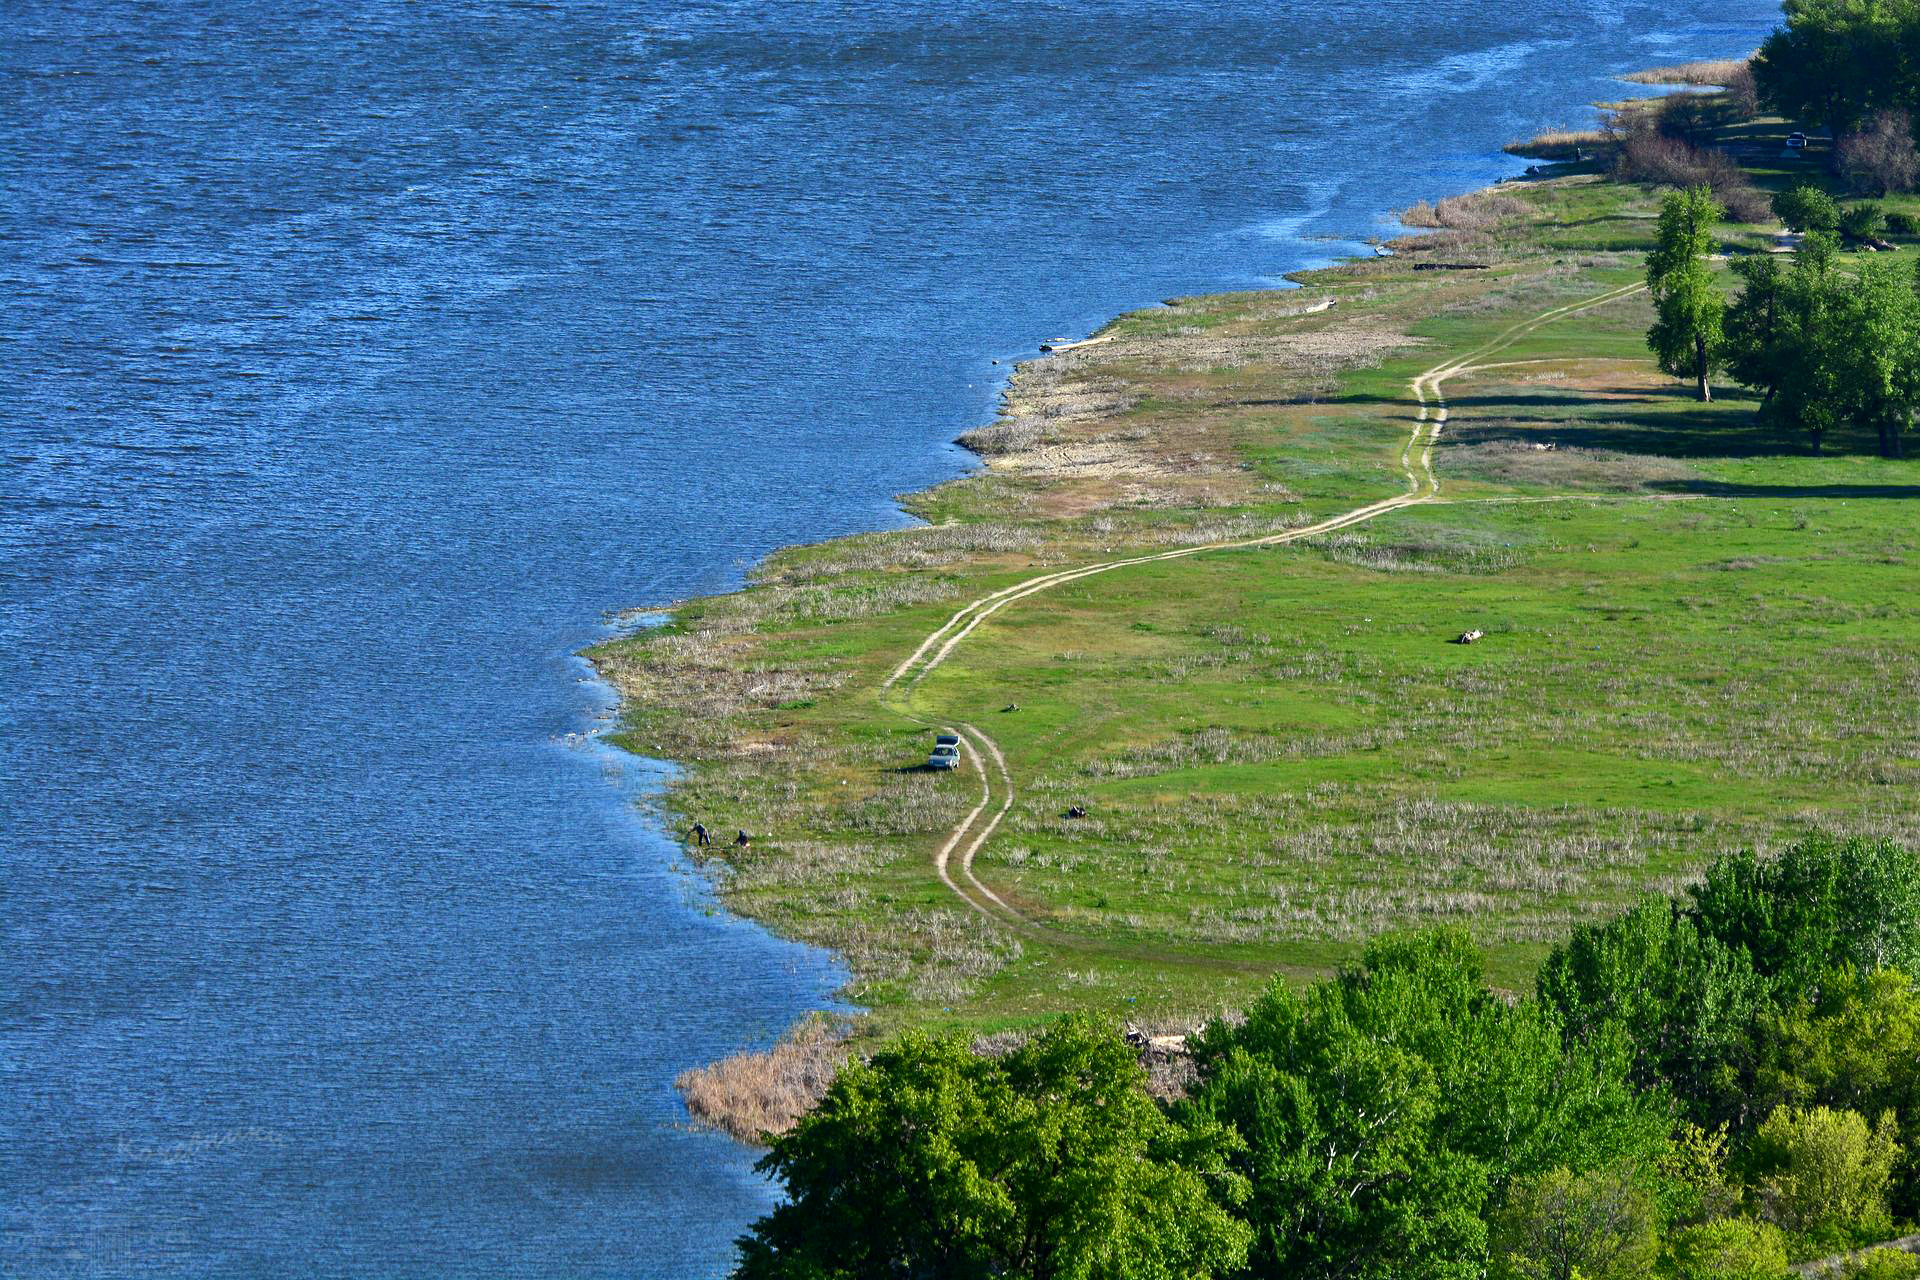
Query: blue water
x,y
358,358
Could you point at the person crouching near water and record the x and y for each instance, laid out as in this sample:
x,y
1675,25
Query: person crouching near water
x,y
742,841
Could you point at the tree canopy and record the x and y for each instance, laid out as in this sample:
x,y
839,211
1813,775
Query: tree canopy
x,y
1051,1163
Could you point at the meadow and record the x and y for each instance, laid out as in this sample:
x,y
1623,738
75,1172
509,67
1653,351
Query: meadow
x,y
1698,636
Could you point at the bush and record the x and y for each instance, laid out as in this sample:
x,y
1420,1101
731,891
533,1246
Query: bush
x,y
1902,223
1881,159
1731,1249
1825,1172
1807,208
1881,1264
1744,204
1646,153
1863,222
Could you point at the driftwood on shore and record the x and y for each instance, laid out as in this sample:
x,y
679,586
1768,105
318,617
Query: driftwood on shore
x,y
1451,266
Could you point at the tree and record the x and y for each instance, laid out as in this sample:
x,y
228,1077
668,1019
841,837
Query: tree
x,y
1825,1172
1880,159
1566,1226
1863,222
1805,395
1823,904
1050,1163
1852,1046
1685,1002
1757,344
1385,1108
1875,348
1687,329
1807,208
1730,1249
1832,63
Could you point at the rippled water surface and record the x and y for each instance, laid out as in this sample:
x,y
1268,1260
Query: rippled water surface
x,y
356,359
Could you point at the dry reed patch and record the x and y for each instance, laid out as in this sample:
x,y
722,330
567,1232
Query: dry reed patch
x,y
1711,73
1477,211
1561,144
752,1096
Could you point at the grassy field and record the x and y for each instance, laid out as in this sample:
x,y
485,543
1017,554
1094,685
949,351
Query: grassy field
x,y
1698,636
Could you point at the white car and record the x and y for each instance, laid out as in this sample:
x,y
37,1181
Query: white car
x,y
946,752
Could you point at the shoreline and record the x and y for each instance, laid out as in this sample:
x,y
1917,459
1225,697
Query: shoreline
x,y
1020,400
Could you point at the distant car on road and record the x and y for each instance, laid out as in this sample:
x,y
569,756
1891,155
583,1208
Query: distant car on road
x,y
1796,141
946,752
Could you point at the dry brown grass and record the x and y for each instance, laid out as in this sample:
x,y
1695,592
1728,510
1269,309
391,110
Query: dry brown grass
x,y
753,1096
1562,144
1477,211
1712,73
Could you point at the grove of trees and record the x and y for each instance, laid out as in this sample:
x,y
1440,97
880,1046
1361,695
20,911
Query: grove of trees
x,y
1825,342
1707,1086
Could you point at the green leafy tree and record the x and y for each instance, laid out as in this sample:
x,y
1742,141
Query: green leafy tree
x,y
1824,1172
1685,1002
1687,335
1855,1046
1560,1225
1833,62
1805,207
1691,1177
1804,361
1875,348
1729,1249
1823,904
1384,1109
1051,1163
1758,330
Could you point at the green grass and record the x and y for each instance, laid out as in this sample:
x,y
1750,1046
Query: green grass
x,y
1711,644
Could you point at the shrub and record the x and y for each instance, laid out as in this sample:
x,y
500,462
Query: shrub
x,y
1881,158
1902,223
1807,208
1862,222
1744,203
1881,1264
1825,1172
1731,1249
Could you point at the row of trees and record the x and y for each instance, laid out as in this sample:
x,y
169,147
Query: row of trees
x,y
1824,344
1704,1087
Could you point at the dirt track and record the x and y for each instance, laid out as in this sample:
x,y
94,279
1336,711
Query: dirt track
x,y
973,831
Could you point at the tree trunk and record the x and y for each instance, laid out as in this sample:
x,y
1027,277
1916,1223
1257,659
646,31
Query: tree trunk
x,y
1700,363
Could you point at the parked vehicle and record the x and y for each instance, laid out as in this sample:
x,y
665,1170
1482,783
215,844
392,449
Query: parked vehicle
x,y
946,752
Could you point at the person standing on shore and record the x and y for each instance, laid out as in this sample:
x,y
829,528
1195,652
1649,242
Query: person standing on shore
x,y
700,835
